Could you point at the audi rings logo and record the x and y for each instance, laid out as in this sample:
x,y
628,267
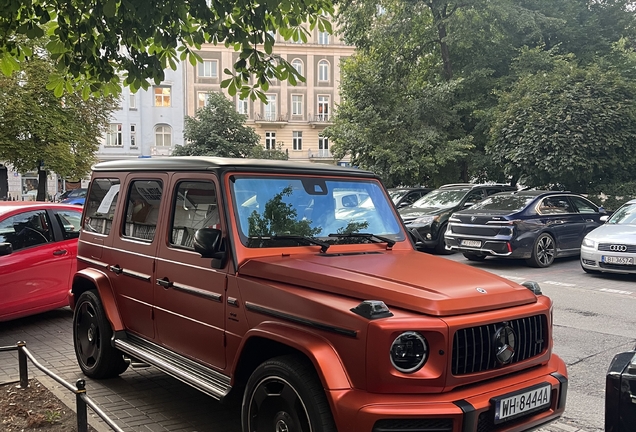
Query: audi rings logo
x,y
505,344
618,248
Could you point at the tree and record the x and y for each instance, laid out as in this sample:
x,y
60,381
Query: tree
x,y
219,130
566,123
93,42
40,132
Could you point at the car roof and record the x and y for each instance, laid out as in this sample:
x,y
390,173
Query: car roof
x,y
10,206
203,163
535,193
409,188
465,186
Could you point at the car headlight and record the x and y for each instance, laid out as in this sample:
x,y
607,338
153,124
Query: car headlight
x,y
589,243
425,220
409,352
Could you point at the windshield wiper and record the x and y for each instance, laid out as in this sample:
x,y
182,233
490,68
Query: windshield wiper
x,y
372,237
300,239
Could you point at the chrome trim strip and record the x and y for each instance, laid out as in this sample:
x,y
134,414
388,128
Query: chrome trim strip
x,y
298,320
142,276
197,292
470,236
92,261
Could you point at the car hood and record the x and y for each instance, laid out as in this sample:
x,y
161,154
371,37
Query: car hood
x,y
404,279
612,233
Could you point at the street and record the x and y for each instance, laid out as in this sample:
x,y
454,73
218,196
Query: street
x,y
594,320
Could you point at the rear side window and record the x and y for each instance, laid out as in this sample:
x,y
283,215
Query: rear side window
x,y
142,209
583,205
101,205
25,230
195,207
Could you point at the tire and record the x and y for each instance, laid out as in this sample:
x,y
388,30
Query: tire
x,y
91,338
474,257
285,394
440,247
543,251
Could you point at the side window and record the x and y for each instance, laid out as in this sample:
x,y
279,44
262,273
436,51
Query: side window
x,y
412,197
195,206
493,191
474,197
25,230
101,205
583,206
142,209
555,205
70,222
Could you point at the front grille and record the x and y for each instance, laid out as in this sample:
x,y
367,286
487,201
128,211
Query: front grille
x,y
474,348
476,230
413,425
605,247
617,266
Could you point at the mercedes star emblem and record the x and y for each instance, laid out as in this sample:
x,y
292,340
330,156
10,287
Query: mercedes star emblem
x,y
481,290
505,344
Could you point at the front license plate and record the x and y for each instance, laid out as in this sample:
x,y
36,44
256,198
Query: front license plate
x,y
618,260
522,402
471,243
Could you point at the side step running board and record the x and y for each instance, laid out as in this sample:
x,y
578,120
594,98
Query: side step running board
x,y
207,380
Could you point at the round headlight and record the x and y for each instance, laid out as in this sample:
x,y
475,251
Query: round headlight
x,y
409,352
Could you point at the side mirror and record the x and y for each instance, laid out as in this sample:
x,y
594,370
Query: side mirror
x,y
468,204
604,218
6,249
403,204
209,243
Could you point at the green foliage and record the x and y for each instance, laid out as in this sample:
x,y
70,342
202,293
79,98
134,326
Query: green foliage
x,y
38,128
566,123
93,42
353,227
279,218
219,130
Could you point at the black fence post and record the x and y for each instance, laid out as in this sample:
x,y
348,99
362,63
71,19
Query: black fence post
x,y
22,365
82,420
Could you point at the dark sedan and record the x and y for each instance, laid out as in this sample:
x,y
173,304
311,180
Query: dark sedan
x,y
538,226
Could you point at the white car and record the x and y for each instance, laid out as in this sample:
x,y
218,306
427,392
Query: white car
x,y
612,246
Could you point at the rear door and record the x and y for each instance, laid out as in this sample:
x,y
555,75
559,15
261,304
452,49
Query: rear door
x,y
189,293
559,214
589,212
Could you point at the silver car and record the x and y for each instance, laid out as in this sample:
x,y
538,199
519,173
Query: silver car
x,y
612,246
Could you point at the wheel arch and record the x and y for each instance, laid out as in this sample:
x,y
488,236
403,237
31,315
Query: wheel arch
x,y
91,279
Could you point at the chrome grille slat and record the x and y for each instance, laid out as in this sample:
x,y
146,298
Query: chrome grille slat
x,y
473,347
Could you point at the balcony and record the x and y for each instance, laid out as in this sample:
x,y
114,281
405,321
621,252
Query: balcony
x,y
271,119
320,119
160,151
320,154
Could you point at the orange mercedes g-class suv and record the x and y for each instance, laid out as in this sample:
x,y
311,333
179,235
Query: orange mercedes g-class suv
x,y
296,287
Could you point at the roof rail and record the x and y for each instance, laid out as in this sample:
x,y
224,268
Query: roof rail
x,y
456,184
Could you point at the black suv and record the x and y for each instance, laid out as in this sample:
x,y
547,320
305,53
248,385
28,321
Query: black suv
x,y
427,217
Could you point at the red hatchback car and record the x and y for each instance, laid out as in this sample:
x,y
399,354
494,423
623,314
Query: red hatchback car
x,y
38,251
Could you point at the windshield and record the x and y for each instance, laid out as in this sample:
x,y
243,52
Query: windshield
x,y
504,202
441,198
397,194
624,215
280,208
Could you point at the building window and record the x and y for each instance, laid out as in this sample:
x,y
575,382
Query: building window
x,y
297,105
323,70
323,38
298,65
113,135
163,136
323,147
208,69
323,108
242,106
162,96
297,140
202,99
132,102
270,107
270,140
133,135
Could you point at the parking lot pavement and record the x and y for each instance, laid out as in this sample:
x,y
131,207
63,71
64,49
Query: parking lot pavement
x,y
139,400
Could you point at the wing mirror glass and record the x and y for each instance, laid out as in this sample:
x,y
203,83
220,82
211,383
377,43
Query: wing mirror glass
x,y
210,244
6,249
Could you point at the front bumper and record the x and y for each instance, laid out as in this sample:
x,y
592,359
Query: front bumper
x,y
591,260
468,409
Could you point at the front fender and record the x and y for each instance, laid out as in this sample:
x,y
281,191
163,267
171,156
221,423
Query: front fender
x,y
94,279
319,350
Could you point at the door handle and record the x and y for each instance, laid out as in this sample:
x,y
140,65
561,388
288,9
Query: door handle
x,y
590,220
116,269
60,252
164,283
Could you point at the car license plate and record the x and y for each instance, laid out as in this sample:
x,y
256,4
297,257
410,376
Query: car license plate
x,y
471,243
618,260
522,402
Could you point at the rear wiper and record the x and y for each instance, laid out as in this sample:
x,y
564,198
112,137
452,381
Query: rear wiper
x,y
372,237
300,239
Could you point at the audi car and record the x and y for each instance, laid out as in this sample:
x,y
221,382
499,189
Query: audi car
x,y
611,247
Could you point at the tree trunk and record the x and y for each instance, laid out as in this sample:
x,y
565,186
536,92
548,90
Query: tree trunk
x,y
41,185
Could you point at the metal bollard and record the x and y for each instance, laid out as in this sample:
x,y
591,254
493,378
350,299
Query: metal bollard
x,y
82,420
22,365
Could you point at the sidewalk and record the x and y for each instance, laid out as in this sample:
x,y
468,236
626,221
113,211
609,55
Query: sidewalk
x,y
140,400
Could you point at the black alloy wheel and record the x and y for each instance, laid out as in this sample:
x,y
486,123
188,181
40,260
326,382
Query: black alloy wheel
x,y
543,251
474,257
440,247
284,394
91,337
